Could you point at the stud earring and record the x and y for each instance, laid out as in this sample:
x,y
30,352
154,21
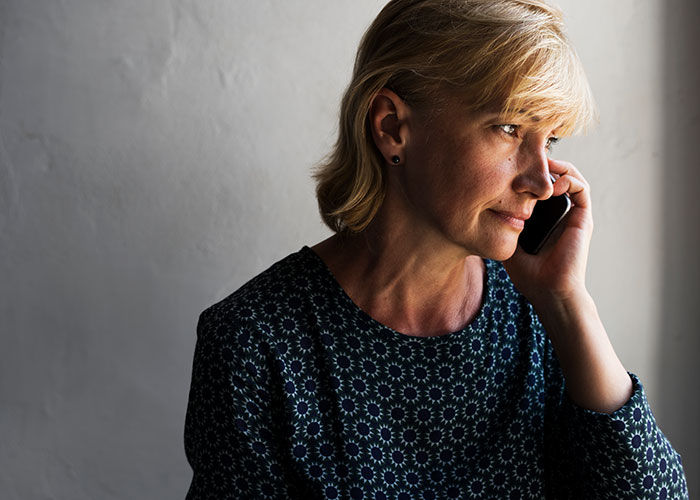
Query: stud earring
x,y
395,160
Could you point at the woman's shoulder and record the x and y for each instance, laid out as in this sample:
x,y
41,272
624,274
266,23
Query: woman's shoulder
x,y
269,296
504,302
499,285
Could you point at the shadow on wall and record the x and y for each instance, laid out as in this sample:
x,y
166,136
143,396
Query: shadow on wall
x,y
678,408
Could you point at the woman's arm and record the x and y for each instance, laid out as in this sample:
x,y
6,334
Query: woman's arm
x,y
554,282
595,377
601,439
232,440
598,455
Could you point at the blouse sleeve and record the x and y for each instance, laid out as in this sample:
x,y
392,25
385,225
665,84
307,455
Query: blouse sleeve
x,y
232,440
623,455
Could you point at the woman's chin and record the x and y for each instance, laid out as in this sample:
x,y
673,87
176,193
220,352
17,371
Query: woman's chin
x,y
504,251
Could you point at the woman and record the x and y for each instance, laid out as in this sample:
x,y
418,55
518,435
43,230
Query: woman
x,y
400,358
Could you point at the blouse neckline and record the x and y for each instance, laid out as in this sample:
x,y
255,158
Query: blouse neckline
x,y
386,331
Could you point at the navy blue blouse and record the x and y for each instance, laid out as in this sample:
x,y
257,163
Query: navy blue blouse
x,y
297,393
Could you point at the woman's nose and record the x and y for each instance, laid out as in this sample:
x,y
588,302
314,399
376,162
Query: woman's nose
x,y
533,176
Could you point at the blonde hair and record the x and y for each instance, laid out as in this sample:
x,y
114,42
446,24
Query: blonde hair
x,y
509,54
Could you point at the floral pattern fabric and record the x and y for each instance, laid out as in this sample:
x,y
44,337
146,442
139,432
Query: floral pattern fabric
x,y
297,393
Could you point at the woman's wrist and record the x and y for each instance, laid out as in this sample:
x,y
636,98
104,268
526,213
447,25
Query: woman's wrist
x,y
563,305
594,375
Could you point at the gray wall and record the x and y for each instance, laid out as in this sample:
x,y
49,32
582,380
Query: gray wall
x,y
154,155
678,201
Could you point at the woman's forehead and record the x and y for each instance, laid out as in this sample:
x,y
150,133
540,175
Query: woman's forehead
x,y
456,105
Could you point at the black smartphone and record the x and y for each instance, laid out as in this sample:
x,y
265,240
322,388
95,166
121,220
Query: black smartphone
x,y
545,217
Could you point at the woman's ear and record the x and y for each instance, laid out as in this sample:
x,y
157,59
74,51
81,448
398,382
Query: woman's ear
x,y
388,115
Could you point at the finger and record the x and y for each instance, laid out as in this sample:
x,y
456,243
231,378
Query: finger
x,y
561,168
569,180
576,188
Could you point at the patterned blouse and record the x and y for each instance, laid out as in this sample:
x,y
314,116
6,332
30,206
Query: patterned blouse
x,y
297,393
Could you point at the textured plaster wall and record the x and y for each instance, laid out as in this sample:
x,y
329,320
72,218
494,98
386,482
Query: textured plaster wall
x,y
154,155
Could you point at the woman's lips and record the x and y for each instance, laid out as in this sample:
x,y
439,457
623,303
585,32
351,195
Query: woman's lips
x,y
515,220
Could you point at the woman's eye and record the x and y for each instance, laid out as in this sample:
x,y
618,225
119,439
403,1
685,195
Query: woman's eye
x,y
509,129
551,142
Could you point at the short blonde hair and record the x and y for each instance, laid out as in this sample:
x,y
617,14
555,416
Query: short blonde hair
x,y
509,54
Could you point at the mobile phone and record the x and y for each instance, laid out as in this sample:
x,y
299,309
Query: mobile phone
x,y
545,217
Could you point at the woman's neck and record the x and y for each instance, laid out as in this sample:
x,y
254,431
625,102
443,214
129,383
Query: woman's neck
x,y
406,282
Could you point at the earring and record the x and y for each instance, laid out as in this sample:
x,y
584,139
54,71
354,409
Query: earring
x,y
395,160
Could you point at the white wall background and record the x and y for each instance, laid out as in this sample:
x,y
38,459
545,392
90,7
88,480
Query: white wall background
x,y
154,155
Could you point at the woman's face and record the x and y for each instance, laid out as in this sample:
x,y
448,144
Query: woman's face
x,y
472,179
